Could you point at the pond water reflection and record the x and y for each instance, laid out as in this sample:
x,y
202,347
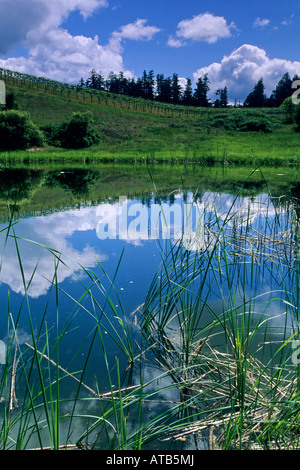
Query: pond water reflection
x,y
67,271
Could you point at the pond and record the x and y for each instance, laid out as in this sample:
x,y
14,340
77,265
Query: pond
x,y
117,282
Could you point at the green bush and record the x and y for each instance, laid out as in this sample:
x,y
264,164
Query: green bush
x,y
75,133
289,110
52,134
245,121
18,132
255,125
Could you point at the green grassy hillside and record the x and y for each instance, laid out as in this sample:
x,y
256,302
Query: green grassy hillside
x,y
140,131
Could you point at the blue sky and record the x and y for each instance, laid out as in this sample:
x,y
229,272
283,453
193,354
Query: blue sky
x,y
234,42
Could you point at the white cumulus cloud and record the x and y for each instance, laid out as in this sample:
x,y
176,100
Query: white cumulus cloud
x,y
52,51
137,31
204,27
27,21
241,69
66,58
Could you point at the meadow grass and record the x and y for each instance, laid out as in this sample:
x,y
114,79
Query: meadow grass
x,y
279,148
130,135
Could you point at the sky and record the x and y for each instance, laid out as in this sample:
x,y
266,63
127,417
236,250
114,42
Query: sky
x,y
235,43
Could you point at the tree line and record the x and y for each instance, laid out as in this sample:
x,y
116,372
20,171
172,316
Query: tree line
x,y
169,90
163,89
159,88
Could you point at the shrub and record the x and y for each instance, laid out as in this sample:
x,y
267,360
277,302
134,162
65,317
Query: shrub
x,y
51,133
75,133
256,124
18,132
251,121
289,110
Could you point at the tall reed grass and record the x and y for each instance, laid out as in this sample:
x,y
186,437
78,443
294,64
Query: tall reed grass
x,y
201,363
211,318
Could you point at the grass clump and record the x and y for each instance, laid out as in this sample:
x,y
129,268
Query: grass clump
x,y
238,382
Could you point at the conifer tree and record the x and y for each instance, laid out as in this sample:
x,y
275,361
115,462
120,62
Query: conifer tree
x,y
200,95
187,98
283,90
175,89
257,98
164,89
148,83
222,100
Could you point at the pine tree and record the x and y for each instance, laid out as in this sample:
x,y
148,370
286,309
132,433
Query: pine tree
x,y
139,88
283,89
257,98
175,89
222,101
200,95
187,98
92,80
112,83
100,82
122,84
148,83
81,83
166,92
159,84
163,87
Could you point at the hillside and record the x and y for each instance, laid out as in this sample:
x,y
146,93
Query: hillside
x,y
138,129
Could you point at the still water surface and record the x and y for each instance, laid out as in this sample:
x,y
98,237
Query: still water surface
x,y
121,243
